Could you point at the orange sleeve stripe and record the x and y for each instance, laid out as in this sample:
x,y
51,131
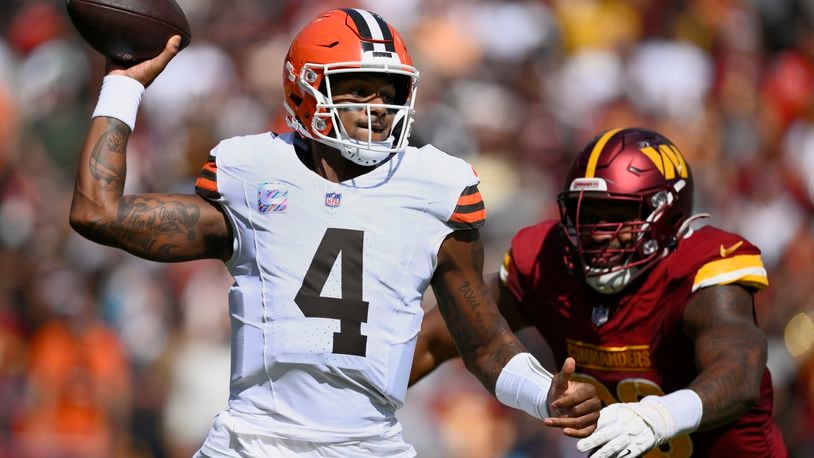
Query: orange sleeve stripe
x,y
469,217
210,166
470,199
207,184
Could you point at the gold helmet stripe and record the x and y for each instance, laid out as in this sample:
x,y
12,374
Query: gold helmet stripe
x,y
593,159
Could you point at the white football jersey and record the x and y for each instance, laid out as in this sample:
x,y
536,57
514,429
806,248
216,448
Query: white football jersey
x,y
326,304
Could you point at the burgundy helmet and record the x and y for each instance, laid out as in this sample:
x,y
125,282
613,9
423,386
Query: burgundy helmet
x,y
623,207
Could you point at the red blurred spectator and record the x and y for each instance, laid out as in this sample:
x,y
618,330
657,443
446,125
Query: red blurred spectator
x,y
37,23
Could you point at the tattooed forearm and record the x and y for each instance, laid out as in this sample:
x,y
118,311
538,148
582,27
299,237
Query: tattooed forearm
x,y
482,336
471,300
150,227
462,333
107,162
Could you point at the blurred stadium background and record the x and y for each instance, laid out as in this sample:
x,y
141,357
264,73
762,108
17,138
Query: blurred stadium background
x,y
103,354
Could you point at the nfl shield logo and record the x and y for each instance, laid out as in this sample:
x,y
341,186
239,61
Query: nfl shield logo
x,y
333,199
599,315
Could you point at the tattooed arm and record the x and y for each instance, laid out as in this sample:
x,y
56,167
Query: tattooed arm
x,y
160,227
435,344
481,335
730,352
491,351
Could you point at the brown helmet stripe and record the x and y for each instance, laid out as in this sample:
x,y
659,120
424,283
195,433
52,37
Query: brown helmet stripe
x,y
374,31
361,27
387,36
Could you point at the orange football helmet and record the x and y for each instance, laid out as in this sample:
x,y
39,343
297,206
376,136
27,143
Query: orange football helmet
x,y
339,42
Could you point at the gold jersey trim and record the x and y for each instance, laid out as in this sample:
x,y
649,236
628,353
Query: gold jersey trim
x,y
745,269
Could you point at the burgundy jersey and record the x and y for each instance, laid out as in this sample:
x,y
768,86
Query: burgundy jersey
x,y
631,344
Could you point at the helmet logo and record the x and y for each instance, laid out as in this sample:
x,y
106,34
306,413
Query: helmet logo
x,y
668,160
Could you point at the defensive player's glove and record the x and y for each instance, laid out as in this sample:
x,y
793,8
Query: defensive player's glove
x,y
631,429
620,432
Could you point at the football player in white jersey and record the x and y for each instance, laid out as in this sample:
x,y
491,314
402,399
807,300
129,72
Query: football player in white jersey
x,y
332,233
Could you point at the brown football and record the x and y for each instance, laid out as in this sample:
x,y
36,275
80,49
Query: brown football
x,y
129,31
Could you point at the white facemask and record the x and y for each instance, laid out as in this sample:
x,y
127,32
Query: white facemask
x,y
364,152
611,282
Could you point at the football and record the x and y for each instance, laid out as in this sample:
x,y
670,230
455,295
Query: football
x,y
129,31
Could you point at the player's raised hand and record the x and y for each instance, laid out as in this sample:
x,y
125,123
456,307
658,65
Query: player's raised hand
x,y
147,71
573,406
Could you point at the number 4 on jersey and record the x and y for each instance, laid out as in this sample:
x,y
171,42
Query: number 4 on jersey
x,y
350,309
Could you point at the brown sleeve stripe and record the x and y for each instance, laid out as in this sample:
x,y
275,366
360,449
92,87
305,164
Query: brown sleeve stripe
x,y
469,190
209,175
470,212
470,199
207,189
466,208
466,226
207,183
469,218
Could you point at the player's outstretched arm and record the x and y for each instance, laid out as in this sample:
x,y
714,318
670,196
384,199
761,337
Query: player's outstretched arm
x,y
435,344
482,337
730,354
160,227
492,352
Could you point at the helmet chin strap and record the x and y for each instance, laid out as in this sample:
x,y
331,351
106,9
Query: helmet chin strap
x,y
364,156
360,152
611,282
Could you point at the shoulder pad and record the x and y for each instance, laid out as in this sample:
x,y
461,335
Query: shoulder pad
x,y
711,256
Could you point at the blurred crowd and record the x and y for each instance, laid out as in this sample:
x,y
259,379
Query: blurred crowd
x,y
106,355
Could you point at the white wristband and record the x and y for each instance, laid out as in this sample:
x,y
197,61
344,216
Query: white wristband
x,y
523,384
120,98
681,412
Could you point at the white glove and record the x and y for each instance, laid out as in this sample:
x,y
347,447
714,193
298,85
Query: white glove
x,y
620,432
632,428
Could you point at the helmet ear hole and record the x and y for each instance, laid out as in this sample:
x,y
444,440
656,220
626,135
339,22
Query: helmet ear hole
x,y
295,99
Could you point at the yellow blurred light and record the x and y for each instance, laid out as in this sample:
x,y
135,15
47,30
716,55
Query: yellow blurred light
x,y
799,334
